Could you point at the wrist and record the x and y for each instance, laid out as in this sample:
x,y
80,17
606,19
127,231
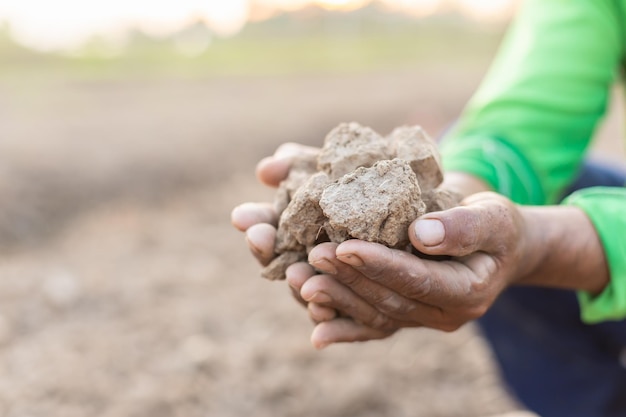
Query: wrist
x,y
534,243
561,249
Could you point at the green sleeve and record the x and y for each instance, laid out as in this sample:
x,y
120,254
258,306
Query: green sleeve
x,y
606,207
526,129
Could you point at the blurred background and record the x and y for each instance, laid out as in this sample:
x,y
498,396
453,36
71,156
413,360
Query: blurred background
x,y
128,131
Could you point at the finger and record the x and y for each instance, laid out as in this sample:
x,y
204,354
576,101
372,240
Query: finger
x,y
247,215
445,294
344,330
260,239
320,313
349,291
327,291
348,288
430,283
296,275
461,231
272,170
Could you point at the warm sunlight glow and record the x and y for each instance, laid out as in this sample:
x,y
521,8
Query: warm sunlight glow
x,y
486,9
415,7
226,17
66,24
286,5
341,4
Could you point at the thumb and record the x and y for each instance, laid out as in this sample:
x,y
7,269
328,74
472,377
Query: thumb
x,y
460,231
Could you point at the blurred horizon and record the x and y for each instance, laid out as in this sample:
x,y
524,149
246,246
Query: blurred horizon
x,y
311,39
66,26
99,122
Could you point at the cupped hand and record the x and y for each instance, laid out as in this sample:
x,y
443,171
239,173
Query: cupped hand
x,y
383,289
259,220
332,304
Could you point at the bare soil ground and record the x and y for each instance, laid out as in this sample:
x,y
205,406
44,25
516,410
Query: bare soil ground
x,y
124,291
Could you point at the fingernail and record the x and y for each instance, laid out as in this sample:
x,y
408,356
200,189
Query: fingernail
x,y
321,345
351,259
320,298
430,232
325,266
253,247
318,344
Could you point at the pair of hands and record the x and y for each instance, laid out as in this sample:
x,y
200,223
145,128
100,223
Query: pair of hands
x,y
357,290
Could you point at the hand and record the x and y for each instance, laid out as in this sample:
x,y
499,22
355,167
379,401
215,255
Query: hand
x,y
259,220
333,326
384,290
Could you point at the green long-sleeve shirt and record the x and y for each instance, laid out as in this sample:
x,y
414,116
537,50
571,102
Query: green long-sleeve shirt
x,y
526,130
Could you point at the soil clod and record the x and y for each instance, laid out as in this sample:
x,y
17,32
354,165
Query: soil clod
x,y
366,187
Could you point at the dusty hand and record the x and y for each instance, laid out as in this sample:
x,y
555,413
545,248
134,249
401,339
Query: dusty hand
x,y
259,220
384,289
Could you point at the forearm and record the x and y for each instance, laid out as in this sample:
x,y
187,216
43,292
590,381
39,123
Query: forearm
x,y
527,128
562,250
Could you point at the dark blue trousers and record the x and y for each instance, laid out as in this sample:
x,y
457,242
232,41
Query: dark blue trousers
x,y
553,363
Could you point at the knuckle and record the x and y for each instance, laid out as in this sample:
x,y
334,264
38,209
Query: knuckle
x,y
378,270
349,279
505,212
384,264
419,286
379,321
393,305
463,229
470,237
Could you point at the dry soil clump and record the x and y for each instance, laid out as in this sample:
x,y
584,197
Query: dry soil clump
x,y
360,186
